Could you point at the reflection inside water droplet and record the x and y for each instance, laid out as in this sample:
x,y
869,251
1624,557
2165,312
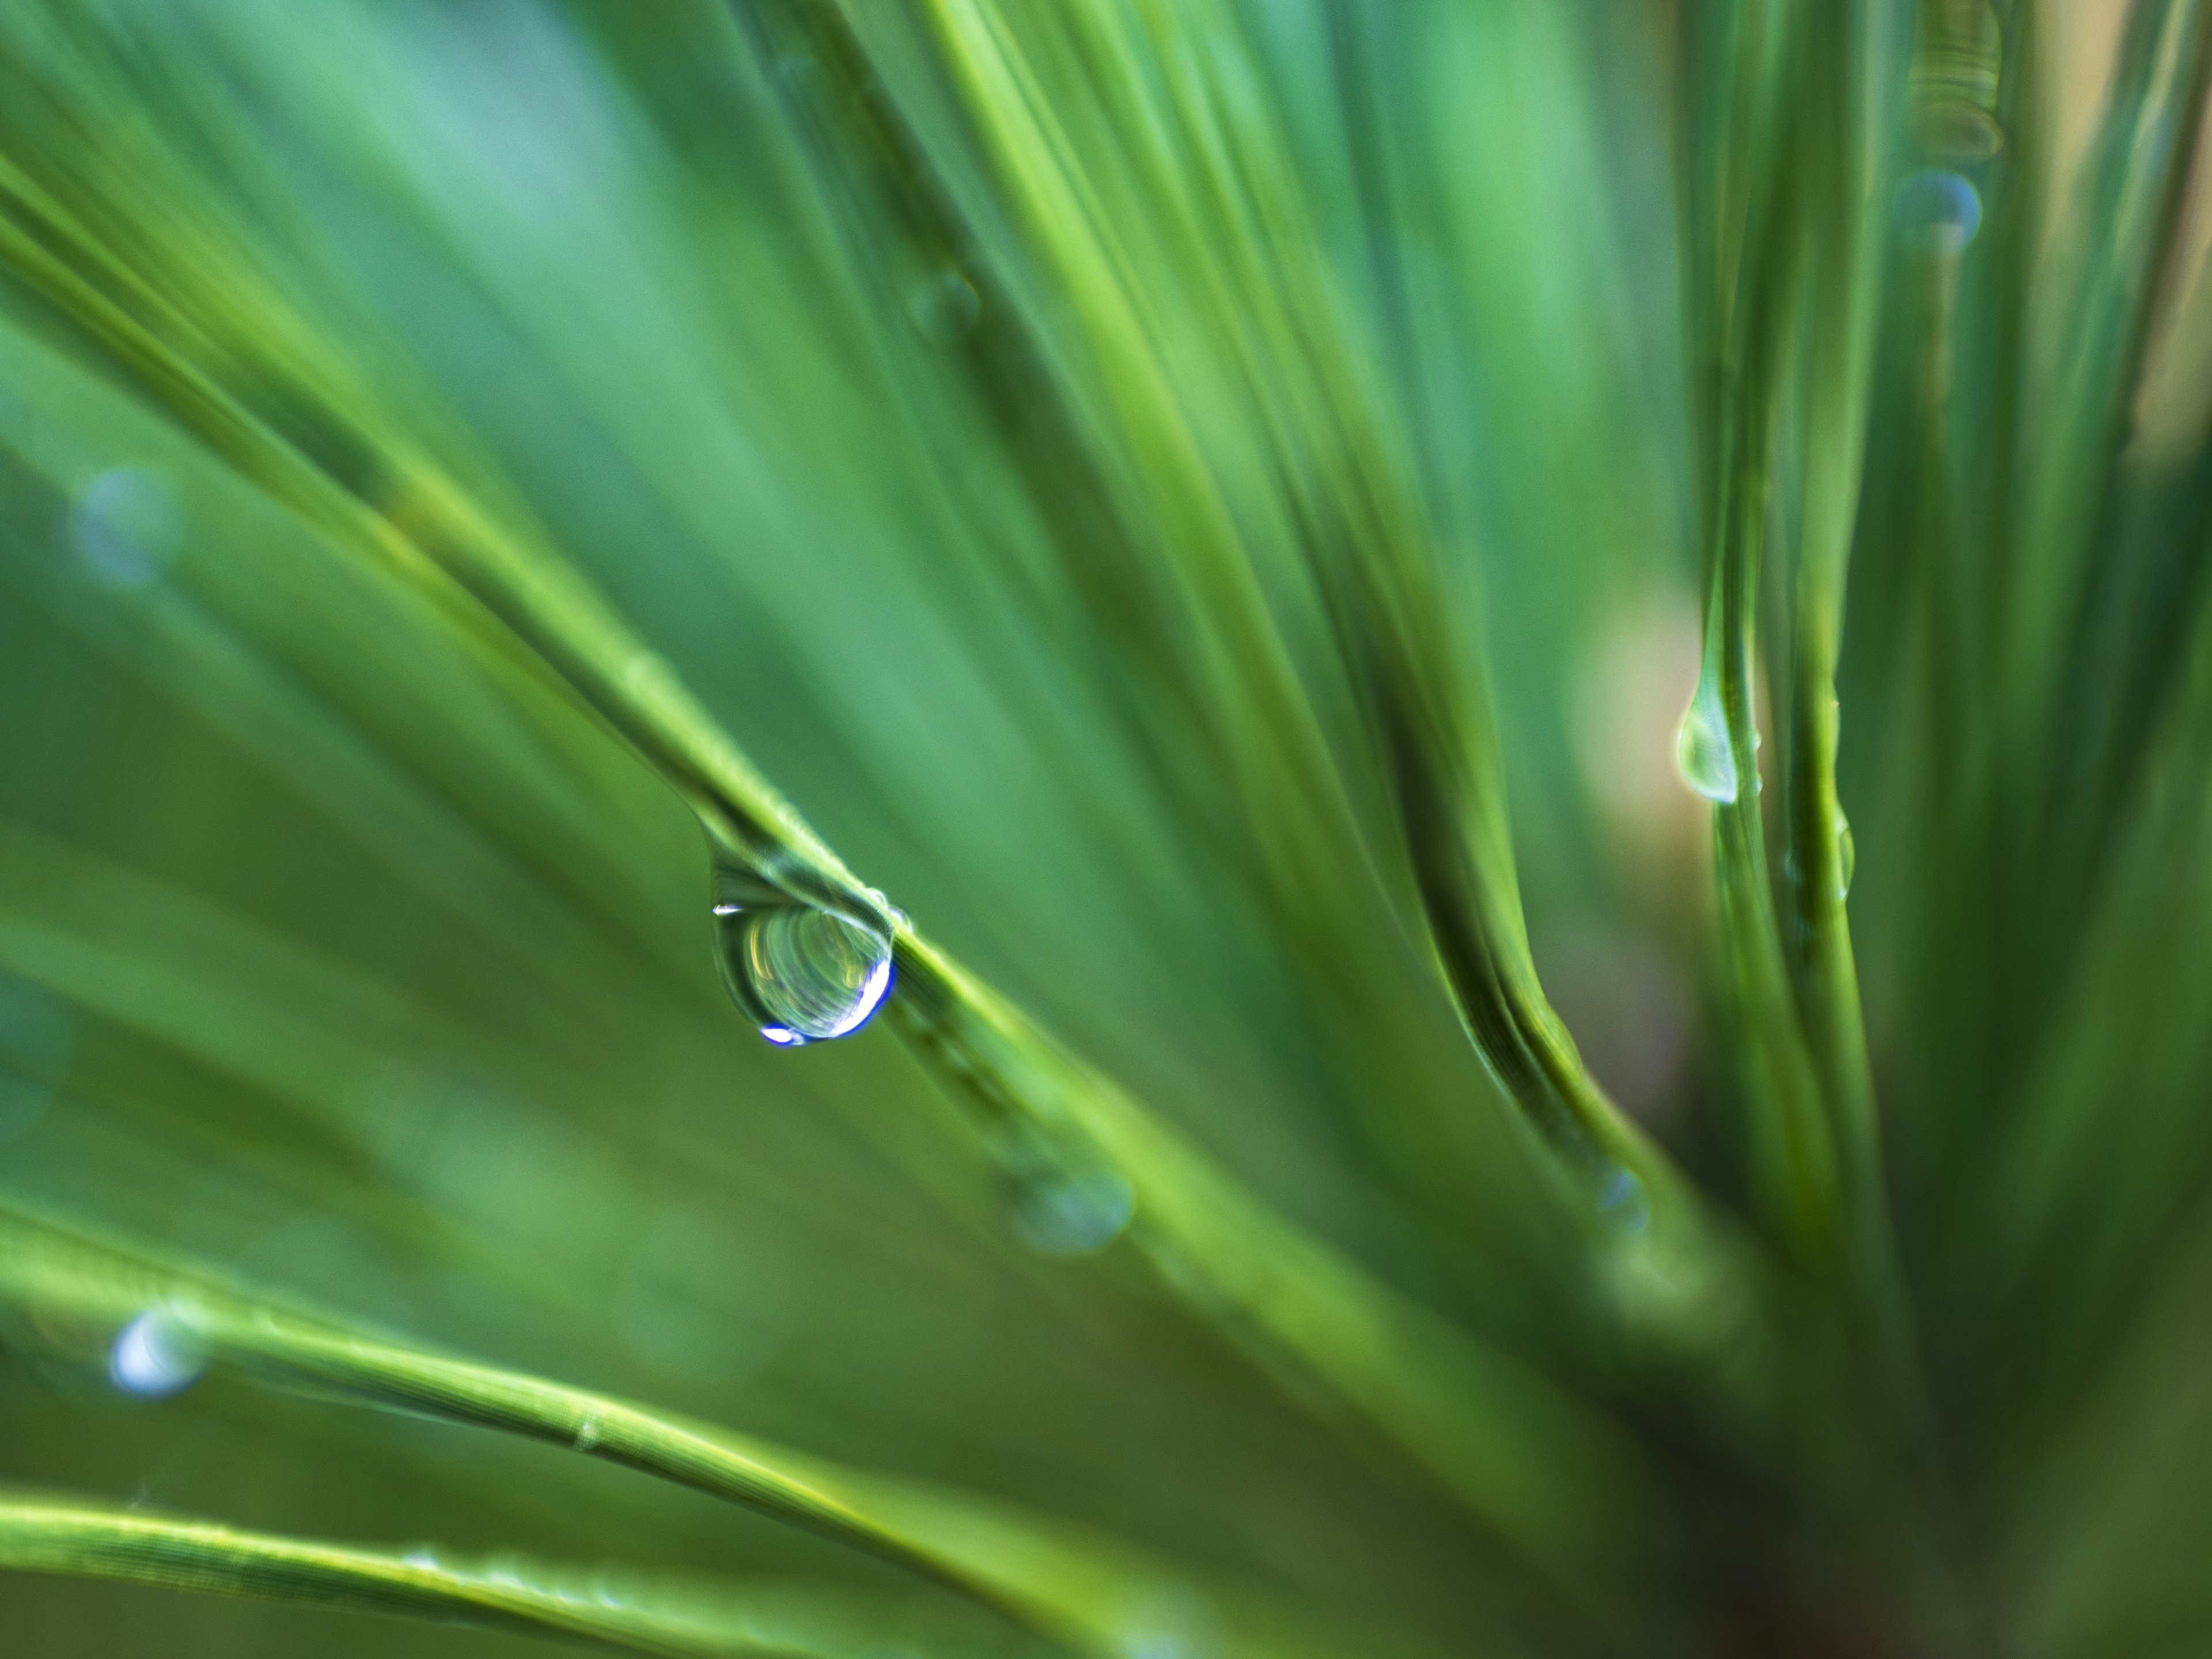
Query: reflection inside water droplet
x,y
807,973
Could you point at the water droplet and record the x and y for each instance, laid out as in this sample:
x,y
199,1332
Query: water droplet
x,y
1939,210
1168,1623
156,1355
1062,1213
588,1431
1847,854
807,972
944,306
422,1557
1702,752
1623,1202
125,526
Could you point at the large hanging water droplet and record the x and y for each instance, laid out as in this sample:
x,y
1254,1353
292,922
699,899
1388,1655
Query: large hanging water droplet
x,y
807,972
1702,752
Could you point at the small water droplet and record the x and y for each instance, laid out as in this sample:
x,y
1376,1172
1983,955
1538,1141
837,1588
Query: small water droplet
x,y
1847,854
1063,1212
944,306
1168,1623
156,1355
125,526
420,1557
1702,752
1939,210
896,916
587,1432
806,972
1623,1201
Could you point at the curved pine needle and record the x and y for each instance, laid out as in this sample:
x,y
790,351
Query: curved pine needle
x,y
608,1606
1747,266
1243,232
1067,1586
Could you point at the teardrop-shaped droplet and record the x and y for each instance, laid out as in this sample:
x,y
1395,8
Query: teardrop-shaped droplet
x,y
1702,754
1847,854
1062,1213
806,972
